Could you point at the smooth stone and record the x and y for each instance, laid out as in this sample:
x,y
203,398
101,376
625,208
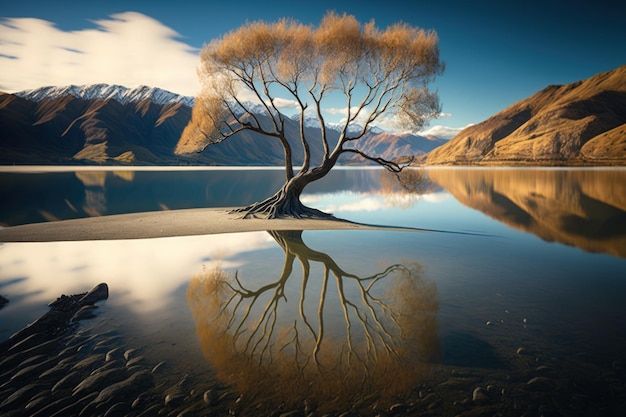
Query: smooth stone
x,y
540,383
118,410
32,370
398,408
152,411
135,361
191,411
54,372
89,363
72,409
115,353
135,383
142,400
100,380
118,363
108,341
294,413
53,407
68,381
67,351
33,360
130,353
27,343
21,396
159,366
480,396
209,397
38,401
174,399
174,396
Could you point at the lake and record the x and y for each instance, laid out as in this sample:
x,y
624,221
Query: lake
x,y
509,299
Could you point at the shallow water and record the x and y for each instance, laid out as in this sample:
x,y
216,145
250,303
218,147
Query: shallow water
x,y
519,274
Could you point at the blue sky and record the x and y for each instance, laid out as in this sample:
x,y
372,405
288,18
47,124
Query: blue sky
x,y
496,52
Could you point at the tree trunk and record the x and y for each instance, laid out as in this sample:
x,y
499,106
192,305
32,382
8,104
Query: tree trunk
x,y
285,203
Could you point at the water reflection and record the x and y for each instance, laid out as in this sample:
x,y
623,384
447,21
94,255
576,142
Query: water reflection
x,y
581,208
332,337
60,195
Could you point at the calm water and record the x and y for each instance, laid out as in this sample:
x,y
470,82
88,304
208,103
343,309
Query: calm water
x,y
521,273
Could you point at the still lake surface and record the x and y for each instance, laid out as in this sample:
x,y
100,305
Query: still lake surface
x,y
519,275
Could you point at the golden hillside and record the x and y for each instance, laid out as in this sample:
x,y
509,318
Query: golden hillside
x,y
574,124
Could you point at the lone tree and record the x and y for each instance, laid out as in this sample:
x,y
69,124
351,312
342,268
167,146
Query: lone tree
x,y
376,74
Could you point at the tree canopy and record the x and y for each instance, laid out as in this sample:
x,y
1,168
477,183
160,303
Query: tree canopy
x,y
251,74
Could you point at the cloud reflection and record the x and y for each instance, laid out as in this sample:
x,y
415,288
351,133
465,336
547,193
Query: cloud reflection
x,y
142,273
347,201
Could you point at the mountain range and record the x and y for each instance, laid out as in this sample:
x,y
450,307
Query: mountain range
x,y
115,125
582,123
573,124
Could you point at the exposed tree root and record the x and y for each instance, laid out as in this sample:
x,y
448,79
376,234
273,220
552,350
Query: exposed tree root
x,y
280,206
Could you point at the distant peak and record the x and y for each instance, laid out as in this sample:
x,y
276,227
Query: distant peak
x,y
116,92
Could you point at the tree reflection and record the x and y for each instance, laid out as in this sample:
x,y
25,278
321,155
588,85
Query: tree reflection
x,y
334,340
405,188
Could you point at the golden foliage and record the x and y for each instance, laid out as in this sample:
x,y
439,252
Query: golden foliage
x,y
207,116
290,60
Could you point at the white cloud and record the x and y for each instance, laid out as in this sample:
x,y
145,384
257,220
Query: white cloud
x,y
128,48
443,132
283,103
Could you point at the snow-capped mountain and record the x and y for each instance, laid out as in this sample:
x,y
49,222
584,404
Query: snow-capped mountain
x,y
119,93
112,124
313,122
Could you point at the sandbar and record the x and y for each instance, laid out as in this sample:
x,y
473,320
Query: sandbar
x,y
186,222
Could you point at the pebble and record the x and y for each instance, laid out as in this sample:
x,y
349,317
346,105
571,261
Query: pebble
x,y
68,381
209,397
142,399
130,353
480,396
174,396
398,408
118,410
134,384
22,395
89,363
174,399
540,383
99,380
159,366
135,361
115,353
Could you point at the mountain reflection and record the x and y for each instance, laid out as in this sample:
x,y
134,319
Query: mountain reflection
x,y
60,195
581,208
332,337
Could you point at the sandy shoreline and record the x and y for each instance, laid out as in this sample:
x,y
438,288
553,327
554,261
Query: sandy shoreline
x,y
147,225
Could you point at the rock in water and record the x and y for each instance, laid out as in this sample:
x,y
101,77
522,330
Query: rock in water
x,y
97,293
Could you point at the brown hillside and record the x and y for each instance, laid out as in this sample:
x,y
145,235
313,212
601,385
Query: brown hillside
x,y
578,123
